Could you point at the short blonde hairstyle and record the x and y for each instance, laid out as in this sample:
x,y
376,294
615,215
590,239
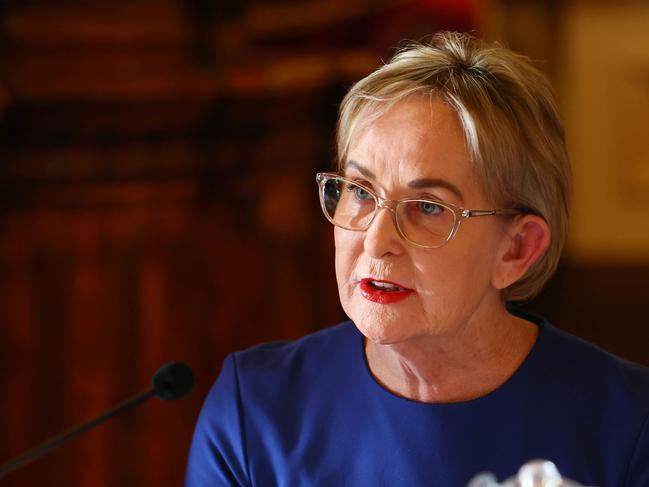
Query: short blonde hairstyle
x,y
510,121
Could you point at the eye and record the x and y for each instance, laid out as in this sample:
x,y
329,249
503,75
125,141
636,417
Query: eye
x,y
361,193
430,208
332,190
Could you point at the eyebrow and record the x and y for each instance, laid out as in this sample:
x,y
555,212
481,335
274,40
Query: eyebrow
x,y
419,183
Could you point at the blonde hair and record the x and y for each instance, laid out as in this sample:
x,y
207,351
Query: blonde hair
x,y
510,121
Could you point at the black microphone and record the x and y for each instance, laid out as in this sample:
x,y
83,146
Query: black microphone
x,y
171,381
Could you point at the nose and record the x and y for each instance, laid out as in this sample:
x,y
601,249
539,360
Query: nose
x,y
382,237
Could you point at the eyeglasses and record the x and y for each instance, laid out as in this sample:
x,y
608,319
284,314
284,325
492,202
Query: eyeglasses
x,y
422,222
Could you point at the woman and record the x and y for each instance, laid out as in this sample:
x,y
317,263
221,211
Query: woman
x,y
451,201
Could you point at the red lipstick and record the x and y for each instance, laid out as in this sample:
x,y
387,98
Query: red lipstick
x,y
383,292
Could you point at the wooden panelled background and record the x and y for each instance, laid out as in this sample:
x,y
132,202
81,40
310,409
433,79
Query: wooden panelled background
x,y
158,203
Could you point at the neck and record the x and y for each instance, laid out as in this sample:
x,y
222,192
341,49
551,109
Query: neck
x,y
455,368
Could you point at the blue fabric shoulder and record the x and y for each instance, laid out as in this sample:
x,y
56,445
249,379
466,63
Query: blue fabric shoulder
x,y
304,359
218,454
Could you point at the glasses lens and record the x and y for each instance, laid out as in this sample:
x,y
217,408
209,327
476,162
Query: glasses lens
x,y
347,204
425,222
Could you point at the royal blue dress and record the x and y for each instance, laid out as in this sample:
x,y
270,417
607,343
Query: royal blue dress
x,y
310,413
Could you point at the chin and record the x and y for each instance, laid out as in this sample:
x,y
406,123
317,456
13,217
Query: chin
x,y
386,324
390,326
385,327
378,334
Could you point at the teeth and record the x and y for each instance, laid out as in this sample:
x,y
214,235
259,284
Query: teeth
x,y
385,286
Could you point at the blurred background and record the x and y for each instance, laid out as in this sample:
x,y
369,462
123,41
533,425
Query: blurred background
x,y
158,200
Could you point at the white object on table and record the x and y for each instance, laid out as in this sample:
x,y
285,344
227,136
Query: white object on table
x,y
535,473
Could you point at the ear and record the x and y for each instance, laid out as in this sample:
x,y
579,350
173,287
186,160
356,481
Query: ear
x,y
525,241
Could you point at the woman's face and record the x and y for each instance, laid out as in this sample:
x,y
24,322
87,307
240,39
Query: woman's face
x,y
417,149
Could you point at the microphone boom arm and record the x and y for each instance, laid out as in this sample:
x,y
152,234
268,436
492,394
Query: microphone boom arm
x,y
61,439
172,381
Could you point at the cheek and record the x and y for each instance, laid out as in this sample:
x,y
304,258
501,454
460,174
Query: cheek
x,y
459,266
456,274
345,255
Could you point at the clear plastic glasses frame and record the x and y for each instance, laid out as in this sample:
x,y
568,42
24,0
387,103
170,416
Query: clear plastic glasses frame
x,y
459,214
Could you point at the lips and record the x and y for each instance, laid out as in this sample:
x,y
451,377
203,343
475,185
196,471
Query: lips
x,y
383,292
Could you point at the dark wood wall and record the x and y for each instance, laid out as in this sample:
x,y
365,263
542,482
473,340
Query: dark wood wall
x,y
158,203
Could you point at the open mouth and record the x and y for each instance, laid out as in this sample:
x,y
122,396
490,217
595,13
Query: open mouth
x,y
385,286
383,292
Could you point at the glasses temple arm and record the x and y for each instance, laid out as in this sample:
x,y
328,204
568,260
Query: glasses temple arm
x,y
473,213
